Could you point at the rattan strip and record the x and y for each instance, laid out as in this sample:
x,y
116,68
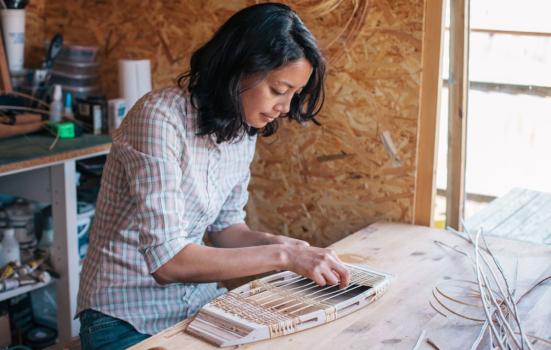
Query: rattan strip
x,y
358,277
278,324
248,310
258,286
291,298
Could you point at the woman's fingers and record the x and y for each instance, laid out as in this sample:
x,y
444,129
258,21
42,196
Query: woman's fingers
x,y
318,278
320,265
340,270
331,278
334,271
343,274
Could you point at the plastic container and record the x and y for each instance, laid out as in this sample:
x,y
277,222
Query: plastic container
x,y
44,306
68,105
81,91
21,218
116,110
78,53
73,79
10,246
40,337
85,214
21,214
71,67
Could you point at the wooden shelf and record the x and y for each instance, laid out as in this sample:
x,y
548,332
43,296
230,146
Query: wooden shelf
x,y
22,290
21,153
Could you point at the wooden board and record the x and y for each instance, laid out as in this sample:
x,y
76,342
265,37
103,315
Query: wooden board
x,y
520,214
32,151
457,112
396,320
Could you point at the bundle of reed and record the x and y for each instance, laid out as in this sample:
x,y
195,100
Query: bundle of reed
x,y
489,299
335,47
28,120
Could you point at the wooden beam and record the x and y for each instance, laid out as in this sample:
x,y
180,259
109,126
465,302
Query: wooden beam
x,y
509,32
427,136
511,89
457,113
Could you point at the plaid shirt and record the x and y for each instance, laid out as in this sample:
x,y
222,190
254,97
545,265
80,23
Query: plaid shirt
x,y
162,188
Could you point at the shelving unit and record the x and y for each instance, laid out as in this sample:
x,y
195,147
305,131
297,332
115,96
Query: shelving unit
x,y
30,170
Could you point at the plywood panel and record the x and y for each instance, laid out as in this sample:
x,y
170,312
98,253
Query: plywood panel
x,y
35,33
316,183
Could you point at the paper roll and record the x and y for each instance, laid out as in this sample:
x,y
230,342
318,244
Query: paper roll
x,y
134,80
13,29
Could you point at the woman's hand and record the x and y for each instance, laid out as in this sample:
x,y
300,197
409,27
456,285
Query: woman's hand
x,y
318,264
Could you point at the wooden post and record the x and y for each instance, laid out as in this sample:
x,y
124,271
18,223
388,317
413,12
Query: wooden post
x,y
427,136
66,259
457,117
5,80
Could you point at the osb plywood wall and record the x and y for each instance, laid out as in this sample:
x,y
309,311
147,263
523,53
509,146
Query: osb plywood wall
x,y
316,183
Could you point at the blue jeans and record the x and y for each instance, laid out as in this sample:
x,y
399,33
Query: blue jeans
x,y
99,331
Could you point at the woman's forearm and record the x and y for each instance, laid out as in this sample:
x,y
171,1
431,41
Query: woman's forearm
x,y
240,235
197,263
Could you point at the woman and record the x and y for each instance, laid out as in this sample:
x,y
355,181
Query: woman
x,y
179,166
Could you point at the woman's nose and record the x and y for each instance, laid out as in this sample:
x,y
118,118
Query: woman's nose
x,y
282,108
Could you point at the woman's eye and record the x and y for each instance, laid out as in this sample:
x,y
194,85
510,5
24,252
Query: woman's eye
x,y
279,93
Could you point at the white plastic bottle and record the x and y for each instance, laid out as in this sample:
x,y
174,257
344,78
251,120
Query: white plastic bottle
x,y
68,109
10,246
56,106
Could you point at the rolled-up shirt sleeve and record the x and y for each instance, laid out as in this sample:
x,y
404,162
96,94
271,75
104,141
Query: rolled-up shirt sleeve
x,y
233,209
150,150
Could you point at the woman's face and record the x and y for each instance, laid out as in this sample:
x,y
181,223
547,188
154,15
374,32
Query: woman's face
x,y
265,99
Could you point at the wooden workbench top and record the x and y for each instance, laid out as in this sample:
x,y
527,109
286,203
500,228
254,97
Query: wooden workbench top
x,y
32,151
396,320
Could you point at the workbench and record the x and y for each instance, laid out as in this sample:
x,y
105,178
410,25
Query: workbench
x,y
397,319
29,169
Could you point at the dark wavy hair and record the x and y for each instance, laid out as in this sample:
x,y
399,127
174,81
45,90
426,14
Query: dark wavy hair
x,y
255,40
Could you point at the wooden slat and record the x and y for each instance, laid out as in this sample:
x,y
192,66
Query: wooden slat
x,y
427,135
510,32
520,214
524,215
457,117
500,209
539,227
